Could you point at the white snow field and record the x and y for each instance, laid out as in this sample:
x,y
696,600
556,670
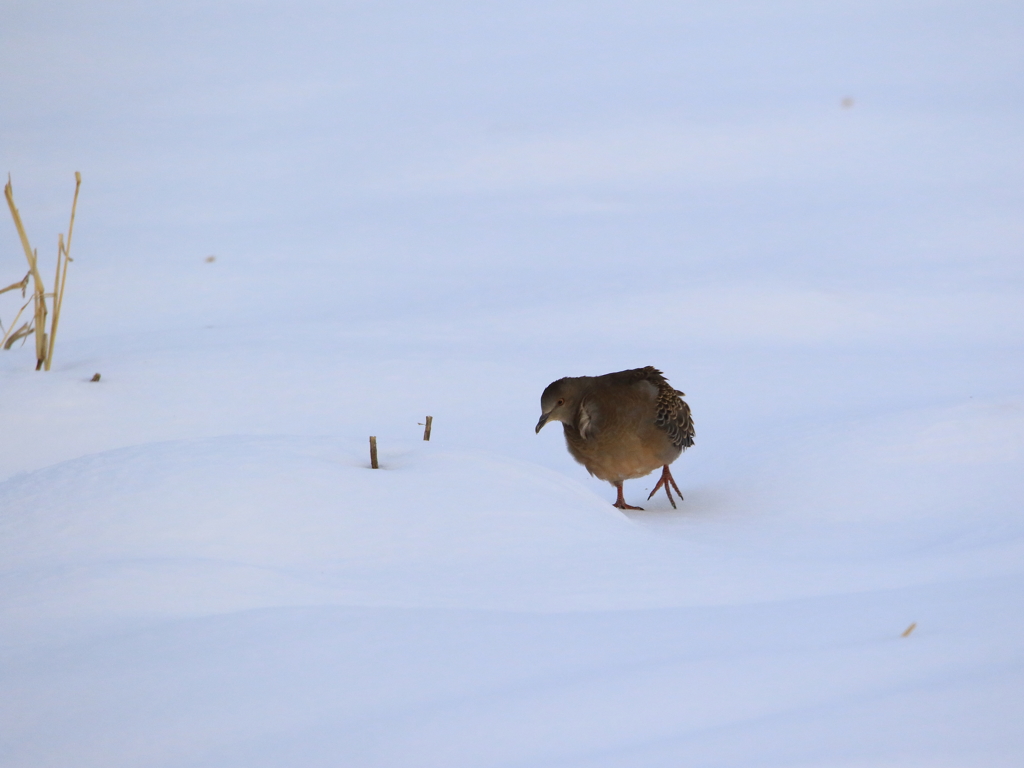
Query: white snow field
x,y
808,215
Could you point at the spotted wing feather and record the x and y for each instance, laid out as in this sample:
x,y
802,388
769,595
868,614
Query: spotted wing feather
x,y
673,414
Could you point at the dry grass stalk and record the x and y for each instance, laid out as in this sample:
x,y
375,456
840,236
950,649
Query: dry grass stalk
x,y
908,630
39,294
373,453
61,278
23,284
13,335
426,429
10,336
44,341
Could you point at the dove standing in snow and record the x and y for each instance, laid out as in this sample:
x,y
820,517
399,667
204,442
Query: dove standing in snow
x,y
621,426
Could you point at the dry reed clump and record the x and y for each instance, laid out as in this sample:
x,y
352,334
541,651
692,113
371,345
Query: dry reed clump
x,y
37,325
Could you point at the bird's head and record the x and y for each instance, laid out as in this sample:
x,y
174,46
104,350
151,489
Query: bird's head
x,y
559,402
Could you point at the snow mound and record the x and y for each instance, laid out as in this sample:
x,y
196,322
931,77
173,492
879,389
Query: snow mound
x,y
194,527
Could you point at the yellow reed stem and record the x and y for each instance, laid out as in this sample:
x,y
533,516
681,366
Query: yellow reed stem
x,y
65,250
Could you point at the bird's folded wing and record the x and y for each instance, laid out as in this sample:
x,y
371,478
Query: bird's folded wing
x,y
586,420
674,417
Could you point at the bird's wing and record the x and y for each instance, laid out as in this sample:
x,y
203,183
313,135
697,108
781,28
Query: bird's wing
x,y
673,414
586,420
675,418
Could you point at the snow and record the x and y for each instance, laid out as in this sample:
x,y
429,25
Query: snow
x,y
438,210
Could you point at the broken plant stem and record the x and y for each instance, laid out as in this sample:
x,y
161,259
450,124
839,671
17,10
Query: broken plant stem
x,y
14,286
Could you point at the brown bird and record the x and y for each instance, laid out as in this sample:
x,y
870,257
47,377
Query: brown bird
x,y
621,425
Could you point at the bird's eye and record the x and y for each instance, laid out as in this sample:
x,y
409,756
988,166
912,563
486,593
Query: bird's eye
x,y
560,402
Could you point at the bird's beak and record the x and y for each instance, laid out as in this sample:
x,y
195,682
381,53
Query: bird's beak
x,y
542,422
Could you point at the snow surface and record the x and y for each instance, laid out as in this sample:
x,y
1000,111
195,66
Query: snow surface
x,y
438,209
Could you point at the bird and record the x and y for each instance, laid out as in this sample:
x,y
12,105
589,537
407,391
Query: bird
x,y
622,425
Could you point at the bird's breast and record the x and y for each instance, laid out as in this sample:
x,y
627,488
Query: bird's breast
x,y
615,455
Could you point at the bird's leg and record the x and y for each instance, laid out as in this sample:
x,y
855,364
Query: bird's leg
x,y
621,501
673,481
667,480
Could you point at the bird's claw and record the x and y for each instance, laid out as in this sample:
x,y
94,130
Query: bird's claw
x,y
624,505
667,480
620,502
